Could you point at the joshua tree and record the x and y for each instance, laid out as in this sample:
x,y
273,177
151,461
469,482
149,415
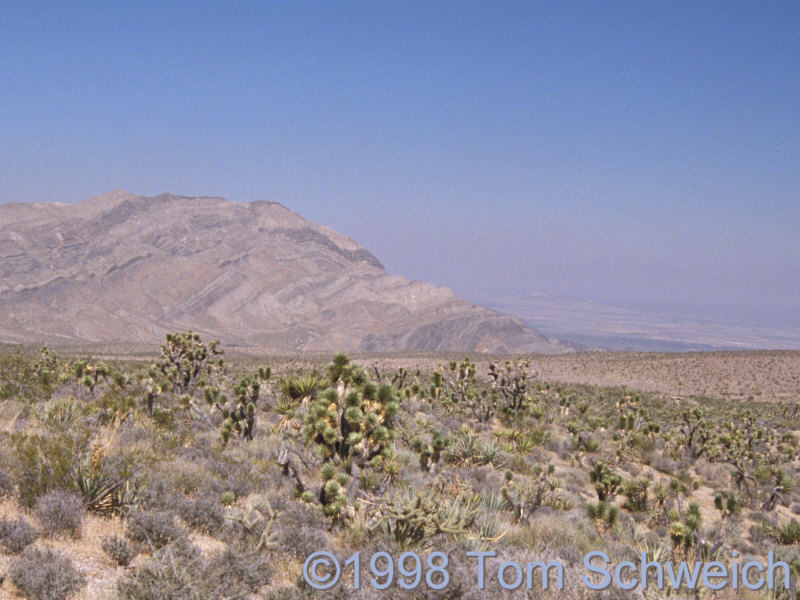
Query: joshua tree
x,y
605,481
240,415
511,382
430,453
187,362
350,424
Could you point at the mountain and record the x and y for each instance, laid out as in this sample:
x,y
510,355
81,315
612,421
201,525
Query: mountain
x,y
126,268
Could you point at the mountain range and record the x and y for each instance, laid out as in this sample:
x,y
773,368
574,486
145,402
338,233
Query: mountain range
x,y
127,268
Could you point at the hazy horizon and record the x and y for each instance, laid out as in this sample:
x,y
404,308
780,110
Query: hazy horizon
x,y
636,155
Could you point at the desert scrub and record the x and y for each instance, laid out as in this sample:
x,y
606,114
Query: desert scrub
x,y
169,574
45,574
300,530
47,461
204,513
6,483
179,572
60,513
16,534
120,550
236,572
154,529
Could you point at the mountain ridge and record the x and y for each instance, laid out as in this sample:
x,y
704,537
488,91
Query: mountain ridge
x,y
121,267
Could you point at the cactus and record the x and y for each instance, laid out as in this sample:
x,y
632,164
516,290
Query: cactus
x,y
257,522
605,481
412,517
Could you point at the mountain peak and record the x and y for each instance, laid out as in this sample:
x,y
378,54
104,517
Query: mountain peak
x,y
125,268
107,200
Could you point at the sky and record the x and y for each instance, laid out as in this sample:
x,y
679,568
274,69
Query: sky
x,y
641,153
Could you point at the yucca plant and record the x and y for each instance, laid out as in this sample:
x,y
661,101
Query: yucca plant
x,y
287,410
300,388
494,501
104,491
603,514
788,533
605,481
468,449
685,533
187,363
636,492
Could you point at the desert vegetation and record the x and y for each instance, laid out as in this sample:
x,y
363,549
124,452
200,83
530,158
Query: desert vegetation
x,y
192,474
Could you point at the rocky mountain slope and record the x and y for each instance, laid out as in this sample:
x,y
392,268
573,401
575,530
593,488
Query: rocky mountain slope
x,y
128,268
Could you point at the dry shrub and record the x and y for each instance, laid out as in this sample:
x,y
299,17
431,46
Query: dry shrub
x,y
120,550
205,513
45,574
154,529
300,530
167,575
178,572
16,534
60,513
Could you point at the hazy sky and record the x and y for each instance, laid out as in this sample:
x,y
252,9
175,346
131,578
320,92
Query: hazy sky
x,y
641,152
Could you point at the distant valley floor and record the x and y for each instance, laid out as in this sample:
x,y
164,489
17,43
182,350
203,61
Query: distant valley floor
x,y
595,325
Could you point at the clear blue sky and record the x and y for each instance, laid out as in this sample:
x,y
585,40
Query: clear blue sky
x,y
646,152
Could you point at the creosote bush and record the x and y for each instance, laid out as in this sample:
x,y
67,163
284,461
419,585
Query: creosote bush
x,y
47,461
